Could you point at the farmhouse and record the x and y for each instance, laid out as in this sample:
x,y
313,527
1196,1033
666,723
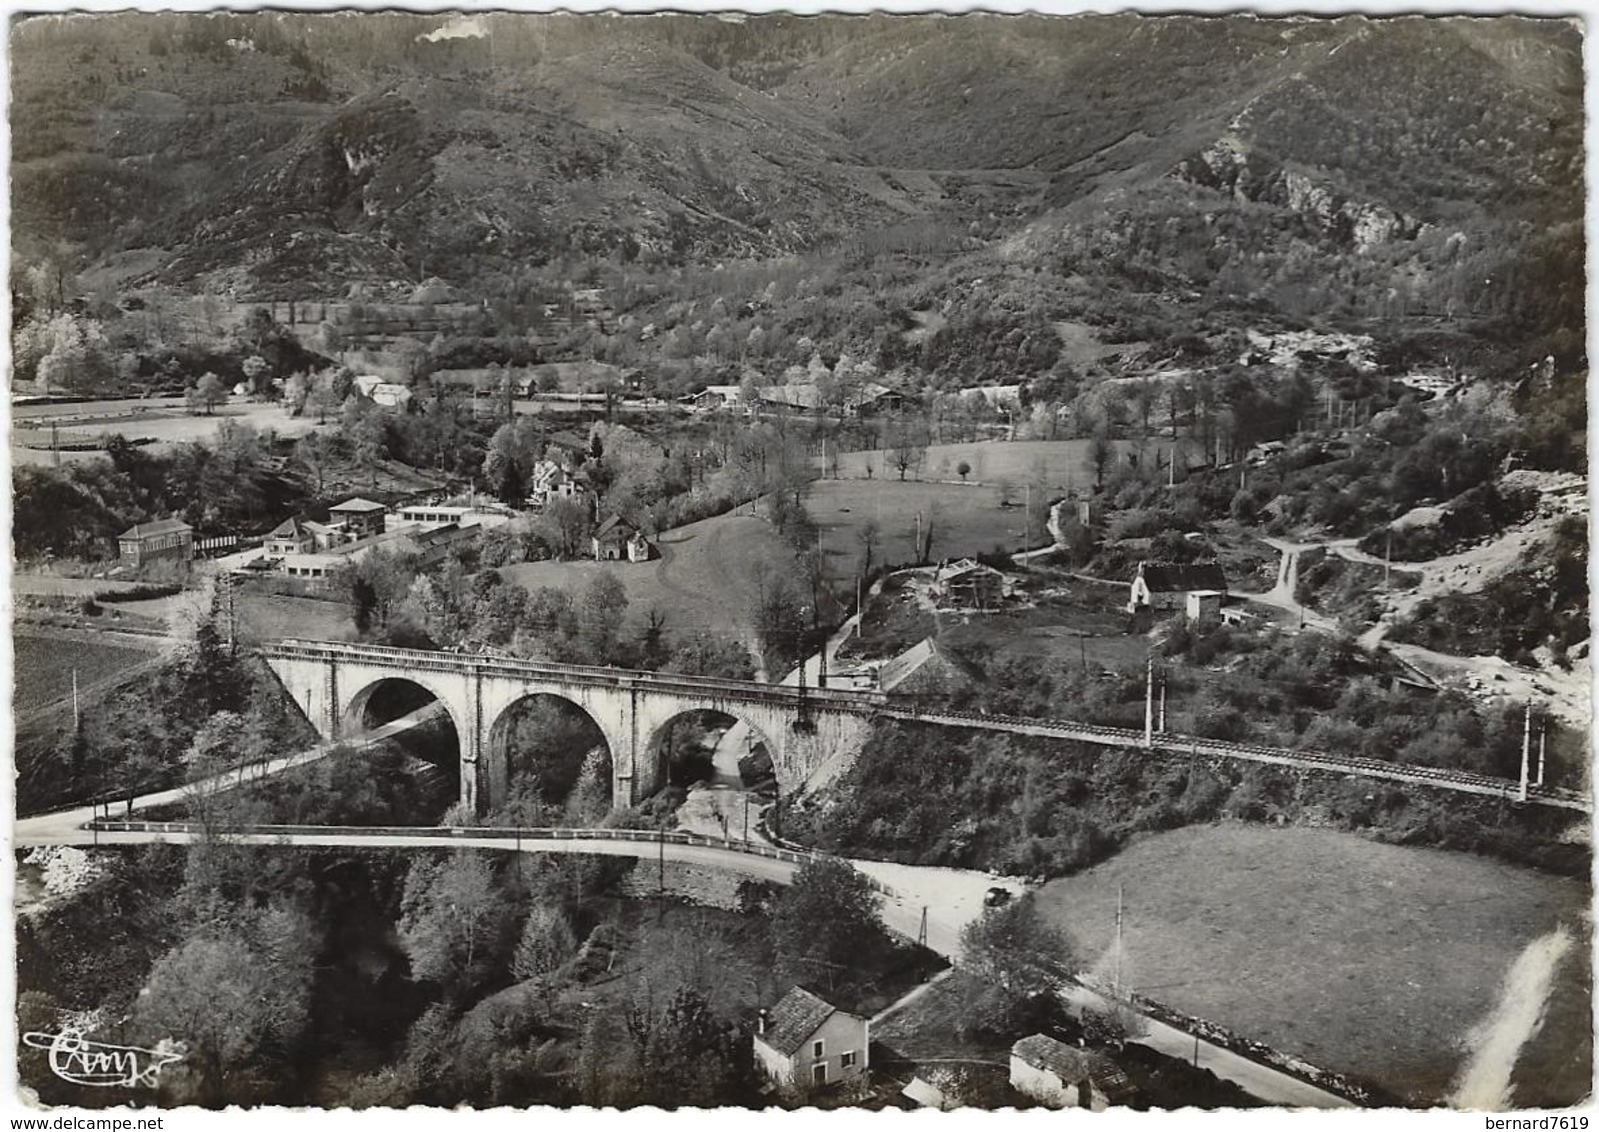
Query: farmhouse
x,y
361,517
163,540
1063,1077
1166,586
804,1041
617,540
715,397
968,584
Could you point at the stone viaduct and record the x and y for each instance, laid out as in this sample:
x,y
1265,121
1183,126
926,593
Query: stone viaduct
x,y
813,734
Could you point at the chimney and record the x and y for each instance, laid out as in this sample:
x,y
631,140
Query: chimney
x,y
760,1021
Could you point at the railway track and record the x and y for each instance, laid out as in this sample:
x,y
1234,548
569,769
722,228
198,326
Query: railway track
x,y
1465,781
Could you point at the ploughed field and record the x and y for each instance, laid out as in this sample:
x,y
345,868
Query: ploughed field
x,y
44,665
1384,962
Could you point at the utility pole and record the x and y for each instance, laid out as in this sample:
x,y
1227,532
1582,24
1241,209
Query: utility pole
x,y
1543,734
921,933
1526,748
77,720
1387,558
661,835
1149,708
1163,703
1117,984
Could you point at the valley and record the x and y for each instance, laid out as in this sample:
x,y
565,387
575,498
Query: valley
x,y
854,561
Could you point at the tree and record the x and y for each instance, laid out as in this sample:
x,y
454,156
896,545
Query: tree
x,y
826,921
1017,960
1100,453
207,393
601,613
258,372
314,453
220,998
547,942
963,469
564,525
454,921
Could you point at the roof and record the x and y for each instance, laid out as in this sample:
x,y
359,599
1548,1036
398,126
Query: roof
x,y
615,523
795,1018
925,659
358,504
924,1093
159,527
289,528
1074,1066
1163,577
794,396
965,567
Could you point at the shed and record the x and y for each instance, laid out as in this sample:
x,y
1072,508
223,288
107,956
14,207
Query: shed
x,y
1064,1076
1159,585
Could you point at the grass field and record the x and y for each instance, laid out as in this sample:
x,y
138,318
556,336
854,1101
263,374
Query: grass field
x,y
265,617
967,519
164,420
704,578
1373,960
1050,616
1058,464
44,666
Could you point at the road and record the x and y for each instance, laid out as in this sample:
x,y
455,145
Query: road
x,y
1260,1081
66,827
904,913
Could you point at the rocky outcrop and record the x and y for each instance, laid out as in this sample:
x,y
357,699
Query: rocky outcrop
x,y
1229,165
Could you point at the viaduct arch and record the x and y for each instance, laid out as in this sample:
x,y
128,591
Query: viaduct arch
x,y
813,734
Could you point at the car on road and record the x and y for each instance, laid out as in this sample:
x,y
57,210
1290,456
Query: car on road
x,y
996,896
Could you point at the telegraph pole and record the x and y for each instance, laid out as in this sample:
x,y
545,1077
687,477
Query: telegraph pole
x,y
1149,704
1526,748
77,721
1543,734
1163,703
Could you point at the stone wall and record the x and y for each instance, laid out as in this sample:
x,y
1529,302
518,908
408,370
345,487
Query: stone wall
x,y
698,884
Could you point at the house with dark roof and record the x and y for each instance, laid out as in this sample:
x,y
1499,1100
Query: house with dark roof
x,y
289,537
617,540
1165,586
1064,1076
361,517
805,1041
164,539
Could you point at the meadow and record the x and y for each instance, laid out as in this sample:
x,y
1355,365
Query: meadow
x,y
1060,465
164,420
705,577
44,666
1369,959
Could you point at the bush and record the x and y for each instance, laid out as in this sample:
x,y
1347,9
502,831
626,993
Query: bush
x,y
145,591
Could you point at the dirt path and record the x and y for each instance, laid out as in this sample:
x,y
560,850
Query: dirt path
x,y
1497,1041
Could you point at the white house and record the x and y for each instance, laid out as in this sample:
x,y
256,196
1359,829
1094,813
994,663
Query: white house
x,y
806,1041
1165,587
1062,1076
